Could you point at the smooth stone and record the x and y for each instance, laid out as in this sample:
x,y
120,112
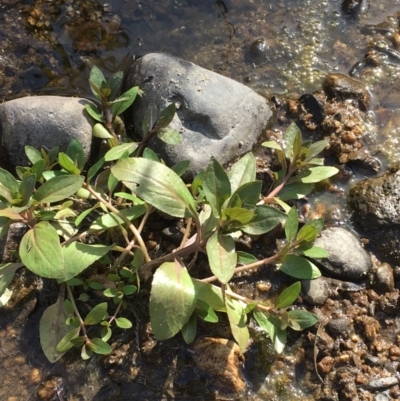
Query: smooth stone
x,y
383,382
339,327
384,279
42,121
215,116
315,292
347,259
342,87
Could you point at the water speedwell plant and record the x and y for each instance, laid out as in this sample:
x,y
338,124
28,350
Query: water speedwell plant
x,y
56,196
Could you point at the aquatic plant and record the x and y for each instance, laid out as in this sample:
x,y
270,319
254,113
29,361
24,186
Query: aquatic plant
x,y
57,197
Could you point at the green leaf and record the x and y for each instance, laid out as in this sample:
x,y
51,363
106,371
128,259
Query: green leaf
x,y
52,329
312,251
97,77
97,314
293,142
238,322
302,318
273,328
181,167
315,174
41,252
98,346
85,213
58,188
112,183
295,190
4,225
7,272
76,153
86,352
216,186
307,233
5,297
32,154
114,83
165,117
157,185
205,312
149,154
222,256
130,197
67,164
236,217
315,149
77,257
124,101
8,185
38,168
105,333
189,330
119,151
272,145
173,295
111,220
169,136
243,171
299,267
65,343
123,323
94,169
129,289
210,294
245,258
26,188
100,131
94,112
266,218
291,225
248,193
288,296
110,292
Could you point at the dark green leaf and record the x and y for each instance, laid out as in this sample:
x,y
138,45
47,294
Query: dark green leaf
x,y
98,346
123,323
243,171
291,224
165,117
181,167
112,183
52,329
114,83
124,101
299,267
58,188
157,185
216,186
295,190
150,155
75,281
52,155
288,296
8,185
169,136
32,154
65,343
307,233
245,258
38,168
97,77
94,112
78,341
173,295
41,252
248,193
97,314
205,312
303,319
266,218
85,213
76,153
315,149
189,330
119,151
4,226
95,285
272,326
129,289
26,188
222,256
94,169
317,223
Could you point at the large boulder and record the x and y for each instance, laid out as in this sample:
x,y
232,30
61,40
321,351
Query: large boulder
x,y
376,205
42,121
216,116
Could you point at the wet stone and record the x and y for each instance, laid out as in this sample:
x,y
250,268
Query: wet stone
x,y
340,327
315,292
257,52
342,87
384,279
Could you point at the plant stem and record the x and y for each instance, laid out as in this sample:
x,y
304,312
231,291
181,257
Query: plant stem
x,y
78,315
248,301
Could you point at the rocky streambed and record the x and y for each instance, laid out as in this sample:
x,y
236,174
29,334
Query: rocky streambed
x,y
334,70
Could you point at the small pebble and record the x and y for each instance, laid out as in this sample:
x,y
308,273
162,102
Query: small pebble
x,y
383,382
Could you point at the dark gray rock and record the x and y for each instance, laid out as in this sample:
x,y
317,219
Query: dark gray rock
x,y
42,121
341,87
315,292
383,382
216,116
347,259
384,279
340,327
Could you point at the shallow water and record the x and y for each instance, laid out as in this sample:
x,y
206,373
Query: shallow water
x,y
49,47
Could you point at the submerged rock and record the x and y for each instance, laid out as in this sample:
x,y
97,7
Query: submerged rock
x,y
42,121
347,259
215,116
